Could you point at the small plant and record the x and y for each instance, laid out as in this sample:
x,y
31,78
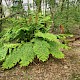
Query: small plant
x,y
22,43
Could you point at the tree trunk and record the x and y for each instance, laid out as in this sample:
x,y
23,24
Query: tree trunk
x,y
62,6
38,5
20,4
52,6
45,7
0,15
78,5
67,9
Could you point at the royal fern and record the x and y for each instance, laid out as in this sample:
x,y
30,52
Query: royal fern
x,y
41,49
24,54
23,42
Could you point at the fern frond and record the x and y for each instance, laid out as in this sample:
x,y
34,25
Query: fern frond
x,y
27,54
24,53
63,36
3,52
12,59
48,36
55,50
11,45
41,49
23,28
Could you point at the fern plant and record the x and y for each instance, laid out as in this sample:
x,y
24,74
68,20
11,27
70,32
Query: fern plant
x,y
22,44
40,46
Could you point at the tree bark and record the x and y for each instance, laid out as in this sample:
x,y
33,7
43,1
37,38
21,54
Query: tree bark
x,y
38,4
0,15
52,6
62,6
67,9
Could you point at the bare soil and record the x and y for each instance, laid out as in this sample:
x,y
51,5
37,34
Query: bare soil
x,y
53,69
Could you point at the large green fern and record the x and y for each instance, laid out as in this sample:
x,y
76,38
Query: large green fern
x,y
23,42
41,46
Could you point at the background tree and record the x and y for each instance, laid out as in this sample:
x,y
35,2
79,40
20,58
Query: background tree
x,y
0,15
52,7
38,4
62,6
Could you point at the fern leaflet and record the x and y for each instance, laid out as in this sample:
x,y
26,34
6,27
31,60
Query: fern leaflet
x,y
24,53
3,52
48,36
12,59
41,49
27,54
55,50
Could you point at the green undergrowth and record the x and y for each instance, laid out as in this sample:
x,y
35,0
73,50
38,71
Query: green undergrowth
x,y
27,40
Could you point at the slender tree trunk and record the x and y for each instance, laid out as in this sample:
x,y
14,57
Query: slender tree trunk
x,y
67,15
52,6
33,6
28,7
20,4
62,6
0,15
52,11
67,9
45,7
38,5
78,5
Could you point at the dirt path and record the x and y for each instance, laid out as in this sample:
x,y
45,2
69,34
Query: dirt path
x,y
53,69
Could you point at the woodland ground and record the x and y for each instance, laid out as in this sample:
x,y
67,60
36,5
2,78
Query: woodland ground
x,y
53,69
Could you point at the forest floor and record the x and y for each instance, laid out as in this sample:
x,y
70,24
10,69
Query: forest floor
x,y
53,69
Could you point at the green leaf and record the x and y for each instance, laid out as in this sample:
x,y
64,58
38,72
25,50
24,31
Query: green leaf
x,y
27,54
12,59
41,49
11,45
55,50
48,36
24,53
46,19
3,52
